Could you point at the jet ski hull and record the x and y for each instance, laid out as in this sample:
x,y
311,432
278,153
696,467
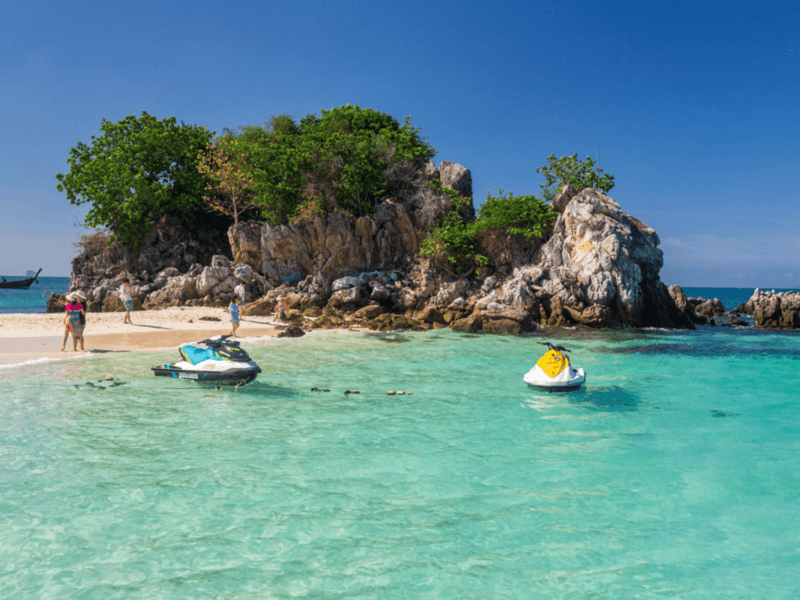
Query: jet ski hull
x,y
226,377
216,361
540,381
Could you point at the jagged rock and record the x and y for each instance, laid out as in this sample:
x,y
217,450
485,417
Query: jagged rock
x,y
448,292
368,312
245,241
459,179
600,256
561,199
771,310
177,291
516,293
710,308
56,303
431,172
679,297
497,318
336,245
429,315
259,308
489,283
344,283
406,299
344,297
472,322
682,304
379,293
738,322
211,278
244,274
220,260
292,332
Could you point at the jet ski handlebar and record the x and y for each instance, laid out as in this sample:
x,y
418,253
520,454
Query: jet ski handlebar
x,y
556,348
220,342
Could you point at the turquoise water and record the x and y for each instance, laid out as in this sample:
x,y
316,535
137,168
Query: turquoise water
x,y
34,299
673,473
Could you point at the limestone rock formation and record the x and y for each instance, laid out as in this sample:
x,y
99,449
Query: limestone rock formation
x,y
599,268
775,310
335,245
686,307
458,178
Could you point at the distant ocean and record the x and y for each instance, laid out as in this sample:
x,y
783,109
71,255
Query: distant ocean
x,y
34,299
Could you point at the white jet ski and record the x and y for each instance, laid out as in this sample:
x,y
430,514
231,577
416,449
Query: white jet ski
x,y
217,360
554,373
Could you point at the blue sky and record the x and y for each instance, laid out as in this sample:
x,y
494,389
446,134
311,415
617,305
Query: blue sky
x,y
694,106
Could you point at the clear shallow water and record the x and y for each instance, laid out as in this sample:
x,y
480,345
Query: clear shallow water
x,y
34,299
672,474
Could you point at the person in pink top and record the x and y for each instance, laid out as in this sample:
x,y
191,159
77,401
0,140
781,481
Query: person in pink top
x,y
72,322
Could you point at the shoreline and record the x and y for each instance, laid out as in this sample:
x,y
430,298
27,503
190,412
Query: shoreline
x,y
27,337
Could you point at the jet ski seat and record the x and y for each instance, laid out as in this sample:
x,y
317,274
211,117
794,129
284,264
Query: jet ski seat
x,y
194,355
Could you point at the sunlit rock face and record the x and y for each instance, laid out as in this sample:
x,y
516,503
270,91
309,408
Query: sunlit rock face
x,y
599,268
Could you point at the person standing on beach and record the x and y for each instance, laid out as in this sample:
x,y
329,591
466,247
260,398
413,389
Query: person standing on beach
x,y
127,299
239,291
72,322
82,300
233,308
280,310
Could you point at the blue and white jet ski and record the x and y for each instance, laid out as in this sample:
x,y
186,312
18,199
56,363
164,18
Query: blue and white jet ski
x,y
554,373
217,360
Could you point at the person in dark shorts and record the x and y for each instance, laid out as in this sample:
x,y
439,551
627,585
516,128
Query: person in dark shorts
x,y
127,299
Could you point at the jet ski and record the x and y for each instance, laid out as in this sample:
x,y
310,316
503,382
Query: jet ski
x,y
553,372
217,360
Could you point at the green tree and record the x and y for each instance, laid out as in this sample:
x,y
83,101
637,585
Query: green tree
x,y
568,169
136,171
525,215
336,161
351,150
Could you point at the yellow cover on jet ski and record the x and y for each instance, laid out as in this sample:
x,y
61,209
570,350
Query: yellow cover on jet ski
x,y
552,363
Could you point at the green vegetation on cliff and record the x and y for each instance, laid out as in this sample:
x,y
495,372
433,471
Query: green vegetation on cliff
x,y
339,161
458,242
568,169
347,159
458,245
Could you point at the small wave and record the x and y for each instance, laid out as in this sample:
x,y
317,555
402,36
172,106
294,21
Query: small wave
x,y
45,359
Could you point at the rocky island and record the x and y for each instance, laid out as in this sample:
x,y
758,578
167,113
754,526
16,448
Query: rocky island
x,y
349,222
599,267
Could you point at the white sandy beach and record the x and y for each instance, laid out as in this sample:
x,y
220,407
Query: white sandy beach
x,y
25,337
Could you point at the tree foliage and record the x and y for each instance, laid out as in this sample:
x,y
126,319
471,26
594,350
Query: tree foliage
x,y
136,171
230,178
525,215
568,169
139,169
336,161
457,242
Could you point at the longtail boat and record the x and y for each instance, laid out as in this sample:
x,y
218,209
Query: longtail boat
x,y
19,284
